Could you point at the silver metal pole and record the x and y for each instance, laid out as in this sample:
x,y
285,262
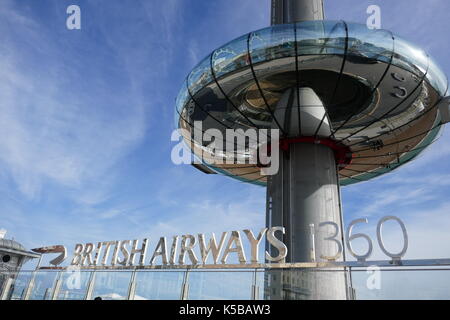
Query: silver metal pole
x,y
305,201
90,286
289,11
304,194
185,287
29,288
46,293
57,287
132,287
32,279
348,271
255,288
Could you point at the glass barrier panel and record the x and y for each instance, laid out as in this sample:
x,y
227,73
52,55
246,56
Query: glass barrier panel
x,y
74,285
111,285
416,284
19,286
158,285
304,284
220,285
44,283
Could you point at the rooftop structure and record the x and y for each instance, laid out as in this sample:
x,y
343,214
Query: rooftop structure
x,y
12,256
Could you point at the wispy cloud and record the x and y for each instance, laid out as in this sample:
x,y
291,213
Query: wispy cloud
x,y
55,129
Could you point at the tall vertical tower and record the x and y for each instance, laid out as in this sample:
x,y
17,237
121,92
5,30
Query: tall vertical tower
x,y
304,195
350,104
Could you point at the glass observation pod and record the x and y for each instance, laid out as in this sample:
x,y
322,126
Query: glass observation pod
x,y
379,91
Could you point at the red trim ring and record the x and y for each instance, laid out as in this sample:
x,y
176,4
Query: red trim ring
x,y
342,153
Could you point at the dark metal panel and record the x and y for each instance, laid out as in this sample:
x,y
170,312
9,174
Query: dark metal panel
x,y
289,11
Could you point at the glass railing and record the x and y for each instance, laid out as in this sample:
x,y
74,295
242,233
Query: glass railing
x,y
360,283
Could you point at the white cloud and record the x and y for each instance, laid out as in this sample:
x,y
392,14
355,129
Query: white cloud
x,y
53,130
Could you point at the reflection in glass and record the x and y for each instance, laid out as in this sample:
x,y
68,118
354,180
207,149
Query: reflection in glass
x,y
74,285
43,285
437,78
364,94
200,76
158,285
111,285
20,285
321,37
231,56
372,44
272,43
409,57
183,97
384,284
402,284
305,284
218,285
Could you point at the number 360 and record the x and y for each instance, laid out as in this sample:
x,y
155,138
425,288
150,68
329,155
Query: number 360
x,y
349,237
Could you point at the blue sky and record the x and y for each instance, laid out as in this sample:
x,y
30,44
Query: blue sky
x,y
86,118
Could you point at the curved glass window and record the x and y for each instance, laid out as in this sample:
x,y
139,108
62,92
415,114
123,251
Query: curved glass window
x,y
367,80
321,37
372,44
176,119
409,57
437,78
272,43
231,56
200,76
183,97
